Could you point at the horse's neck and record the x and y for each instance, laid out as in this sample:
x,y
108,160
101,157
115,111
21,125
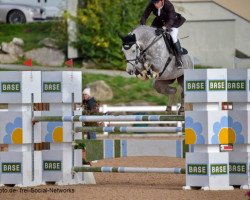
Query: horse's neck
x,y
157,54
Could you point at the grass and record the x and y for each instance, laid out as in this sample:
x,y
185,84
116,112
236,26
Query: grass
x,y
128,89
205,67
31,33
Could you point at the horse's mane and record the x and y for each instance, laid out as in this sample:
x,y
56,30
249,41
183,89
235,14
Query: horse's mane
x,y
144,27
144,33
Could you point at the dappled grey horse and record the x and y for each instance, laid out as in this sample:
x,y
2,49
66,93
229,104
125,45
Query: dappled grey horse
x,y
147,55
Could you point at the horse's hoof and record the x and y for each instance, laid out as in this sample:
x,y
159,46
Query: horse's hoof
x,y
169,110
181,110
181,113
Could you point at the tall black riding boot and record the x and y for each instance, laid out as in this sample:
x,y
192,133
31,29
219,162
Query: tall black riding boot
x,y
178,51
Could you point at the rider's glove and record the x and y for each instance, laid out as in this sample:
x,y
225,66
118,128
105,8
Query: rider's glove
x,y
142,21
159,31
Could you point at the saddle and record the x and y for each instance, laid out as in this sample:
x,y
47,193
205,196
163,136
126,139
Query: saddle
x,y
170,45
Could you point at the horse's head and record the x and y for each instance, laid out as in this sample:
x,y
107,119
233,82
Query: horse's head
x,y
136,47
132,51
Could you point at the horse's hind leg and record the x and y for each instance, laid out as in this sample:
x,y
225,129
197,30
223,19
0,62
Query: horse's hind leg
x,y
163,87
180,81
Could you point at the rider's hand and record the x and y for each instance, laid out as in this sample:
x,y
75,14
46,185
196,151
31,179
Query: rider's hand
x,y
159,31
142,21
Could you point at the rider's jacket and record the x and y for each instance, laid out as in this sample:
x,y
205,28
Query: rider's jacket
x,y
168,16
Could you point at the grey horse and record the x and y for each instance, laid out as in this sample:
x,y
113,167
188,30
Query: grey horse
x,y
147,55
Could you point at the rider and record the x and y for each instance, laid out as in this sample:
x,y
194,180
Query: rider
x,y
165,17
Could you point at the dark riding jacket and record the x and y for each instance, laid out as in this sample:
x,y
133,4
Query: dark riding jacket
x,y
168,17
90,104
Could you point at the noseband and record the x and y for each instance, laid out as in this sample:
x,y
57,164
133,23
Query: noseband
x,y
138,58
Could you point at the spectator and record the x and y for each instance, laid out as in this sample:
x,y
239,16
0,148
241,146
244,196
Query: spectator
x,y
90,106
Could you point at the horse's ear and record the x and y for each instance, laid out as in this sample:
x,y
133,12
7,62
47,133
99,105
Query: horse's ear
x,y
121,36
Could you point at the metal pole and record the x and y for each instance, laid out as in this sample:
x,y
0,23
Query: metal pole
x,y
117,129
72,128
98,118
32,139
129,170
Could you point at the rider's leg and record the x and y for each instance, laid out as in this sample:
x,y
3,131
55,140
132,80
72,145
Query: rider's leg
x,y
177,46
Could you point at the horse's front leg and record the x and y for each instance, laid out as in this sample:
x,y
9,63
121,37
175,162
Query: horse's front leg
x,y
170,103
182,108
180,81
163,87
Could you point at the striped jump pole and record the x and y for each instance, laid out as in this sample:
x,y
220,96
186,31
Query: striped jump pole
x,y
129,170
123,129
100,118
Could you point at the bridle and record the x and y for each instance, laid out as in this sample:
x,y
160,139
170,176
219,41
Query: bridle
x,y
140,54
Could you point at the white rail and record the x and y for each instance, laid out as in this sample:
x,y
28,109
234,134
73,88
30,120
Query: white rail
x,y
107,109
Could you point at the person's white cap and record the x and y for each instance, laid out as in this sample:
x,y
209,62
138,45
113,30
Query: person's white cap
x,y
86,91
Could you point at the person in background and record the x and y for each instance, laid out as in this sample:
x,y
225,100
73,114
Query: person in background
x,y
90,106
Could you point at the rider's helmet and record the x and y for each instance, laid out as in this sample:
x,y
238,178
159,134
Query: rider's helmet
x,y
154,1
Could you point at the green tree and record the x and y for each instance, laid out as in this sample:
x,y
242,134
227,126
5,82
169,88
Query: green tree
x,y
98,25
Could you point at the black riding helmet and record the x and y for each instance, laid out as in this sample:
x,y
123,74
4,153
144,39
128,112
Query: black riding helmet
x,y
154,1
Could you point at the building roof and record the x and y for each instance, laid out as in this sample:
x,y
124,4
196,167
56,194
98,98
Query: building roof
x,y
238,7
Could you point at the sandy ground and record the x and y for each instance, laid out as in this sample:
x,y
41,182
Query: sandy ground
x,y
125,186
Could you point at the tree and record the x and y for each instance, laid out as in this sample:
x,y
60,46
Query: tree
x,y
98,25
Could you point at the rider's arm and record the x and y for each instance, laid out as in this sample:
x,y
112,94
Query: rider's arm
x,y
146,13
171,14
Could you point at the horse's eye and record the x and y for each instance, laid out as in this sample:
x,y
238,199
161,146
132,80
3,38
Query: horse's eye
x,y
133,51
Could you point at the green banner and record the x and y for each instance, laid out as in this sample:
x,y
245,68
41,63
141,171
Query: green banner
x,y
236,85
11,167
10,87
218,169
52,165
195,85
217,85
197,169
52,87
237,168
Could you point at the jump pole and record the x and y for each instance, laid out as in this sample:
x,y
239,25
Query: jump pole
x,y
123,129
129,170
100,118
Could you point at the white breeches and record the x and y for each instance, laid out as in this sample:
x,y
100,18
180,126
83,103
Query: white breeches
x,y
174,34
